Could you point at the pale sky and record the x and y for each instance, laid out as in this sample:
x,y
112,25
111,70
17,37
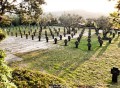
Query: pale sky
x,y
102,6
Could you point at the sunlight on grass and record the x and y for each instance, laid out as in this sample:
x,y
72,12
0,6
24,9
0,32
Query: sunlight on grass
x,y
76,66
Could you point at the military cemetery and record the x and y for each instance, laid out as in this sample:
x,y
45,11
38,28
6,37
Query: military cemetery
x,y
45,50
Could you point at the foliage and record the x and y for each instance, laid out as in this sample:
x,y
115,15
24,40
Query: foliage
x,y
5,73
48,20
16,21
2,35
6,21
90,22
34,79
100,23
115,20
28,10
115,16
24,6
69,20
103,22
118,4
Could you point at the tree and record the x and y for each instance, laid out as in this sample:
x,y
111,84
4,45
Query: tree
x,y
103,23
29,7
68,20
5,21
90,22
115,20
54,21
115,16
48,20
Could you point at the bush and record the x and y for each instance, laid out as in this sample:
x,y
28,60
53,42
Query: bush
x,y
2,35
33,79
5,73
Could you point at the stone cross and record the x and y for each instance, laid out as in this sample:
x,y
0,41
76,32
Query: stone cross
x,y
60,37
115,73
69,38
55,40
76,44
65,41
89,46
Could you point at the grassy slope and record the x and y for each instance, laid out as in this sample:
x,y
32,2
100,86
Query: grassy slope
x,y
76,66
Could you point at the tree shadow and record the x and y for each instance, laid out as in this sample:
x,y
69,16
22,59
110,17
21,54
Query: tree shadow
x,y
77,63
103,49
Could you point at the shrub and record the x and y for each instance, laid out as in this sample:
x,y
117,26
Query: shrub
x,y
2,35
33,79
5,73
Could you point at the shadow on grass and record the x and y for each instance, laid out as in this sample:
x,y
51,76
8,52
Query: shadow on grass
x,y
114,85
76,63
103,49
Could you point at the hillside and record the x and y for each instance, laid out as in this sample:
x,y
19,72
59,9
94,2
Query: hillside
x,y
82,13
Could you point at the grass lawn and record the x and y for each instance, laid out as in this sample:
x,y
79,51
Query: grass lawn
x,y
76,66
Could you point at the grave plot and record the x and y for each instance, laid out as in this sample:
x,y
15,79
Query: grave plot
x,y
54,35
50,33
24,39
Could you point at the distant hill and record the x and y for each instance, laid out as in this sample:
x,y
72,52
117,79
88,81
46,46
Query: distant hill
x,y
83,13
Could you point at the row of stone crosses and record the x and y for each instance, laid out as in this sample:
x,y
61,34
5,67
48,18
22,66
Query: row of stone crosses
x,y
33,34
52,34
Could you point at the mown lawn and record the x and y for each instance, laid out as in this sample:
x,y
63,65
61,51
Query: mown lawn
x,y
76,66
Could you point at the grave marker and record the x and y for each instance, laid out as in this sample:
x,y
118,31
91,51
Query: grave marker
x,y
53,36
69,38
89,46
47,39
26,36
60,37
65,41
32,37
76,44
55,40
21,35
115,73
16,34
39,37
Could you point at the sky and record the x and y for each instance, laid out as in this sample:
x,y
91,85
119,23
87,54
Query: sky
x,y
101,6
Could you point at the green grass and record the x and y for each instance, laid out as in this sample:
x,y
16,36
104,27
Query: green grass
x,y
60,61
76,66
